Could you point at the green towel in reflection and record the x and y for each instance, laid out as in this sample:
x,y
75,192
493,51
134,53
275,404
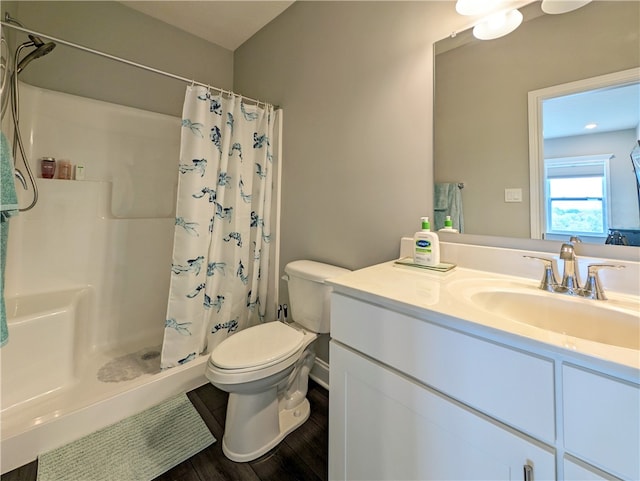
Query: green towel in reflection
x,y
447,201
8,208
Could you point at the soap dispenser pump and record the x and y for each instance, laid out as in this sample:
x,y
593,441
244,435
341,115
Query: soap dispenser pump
x,y
426,246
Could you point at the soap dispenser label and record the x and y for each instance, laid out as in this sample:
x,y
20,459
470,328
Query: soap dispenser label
x,y
423,245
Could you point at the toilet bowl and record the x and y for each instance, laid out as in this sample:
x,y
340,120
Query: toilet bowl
x,y
265,368
266,400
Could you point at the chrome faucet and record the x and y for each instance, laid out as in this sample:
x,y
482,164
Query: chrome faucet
x,y
570,283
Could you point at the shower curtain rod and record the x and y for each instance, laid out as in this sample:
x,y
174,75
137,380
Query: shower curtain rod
x,y
128,62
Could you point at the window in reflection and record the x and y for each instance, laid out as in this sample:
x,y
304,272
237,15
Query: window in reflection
x,y
576,196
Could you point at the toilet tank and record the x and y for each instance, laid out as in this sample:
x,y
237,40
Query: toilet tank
x,y
309,295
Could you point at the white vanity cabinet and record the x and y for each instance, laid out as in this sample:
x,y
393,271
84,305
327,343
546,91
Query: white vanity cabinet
x,y
407,403
414,398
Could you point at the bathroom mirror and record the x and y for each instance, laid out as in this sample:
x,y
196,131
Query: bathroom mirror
x,y
481,123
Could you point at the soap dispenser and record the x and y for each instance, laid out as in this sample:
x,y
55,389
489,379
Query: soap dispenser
x,y
448,225
426,246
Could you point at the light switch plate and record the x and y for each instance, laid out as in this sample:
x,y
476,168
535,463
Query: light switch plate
x,y
513,195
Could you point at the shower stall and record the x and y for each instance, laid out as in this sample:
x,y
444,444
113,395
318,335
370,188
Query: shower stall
x,y
88,267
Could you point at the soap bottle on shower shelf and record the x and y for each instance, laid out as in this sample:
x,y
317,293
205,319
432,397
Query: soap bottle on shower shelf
x,y
426,246
448,225
48,167
64,169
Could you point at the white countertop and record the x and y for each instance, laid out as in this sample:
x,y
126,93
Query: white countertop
x,y
437,297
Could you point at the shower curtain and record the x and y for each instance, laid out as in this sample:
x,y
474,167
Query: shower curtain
x,y
219,271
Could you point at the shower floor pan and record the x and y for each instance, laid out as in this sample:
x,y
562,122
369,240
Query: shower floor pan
x,y
110,386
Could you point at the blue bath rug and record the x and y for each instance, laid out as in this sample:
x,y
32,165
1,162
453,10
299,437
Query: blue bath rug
x,y
138,448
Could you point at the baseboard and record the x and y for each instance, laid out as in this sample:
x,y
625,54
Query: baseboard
x,y
320,373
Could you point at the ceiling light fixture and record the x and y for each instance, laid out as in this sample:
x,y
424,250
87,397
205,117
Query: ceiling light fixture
x,y
497,25
476,7
590,126
555,7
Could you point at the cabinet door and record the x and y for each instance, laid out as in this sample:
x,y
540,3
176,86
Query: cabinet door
x,y
602,421
384,426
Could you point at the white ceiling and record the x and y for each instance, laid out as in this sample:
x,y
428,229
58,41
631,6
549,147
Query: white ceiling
x,y
225,23
616,108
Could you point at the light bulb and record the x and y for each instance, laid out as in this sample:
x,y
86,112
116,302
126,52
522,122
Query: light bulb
x,y
498,25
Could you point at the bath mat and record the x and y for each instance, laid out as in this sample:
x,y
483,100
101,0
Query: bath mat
x,y
138,448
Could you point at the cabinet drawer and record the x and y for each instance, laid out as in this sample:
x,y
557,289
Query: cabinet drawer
x,y
509,385
602,421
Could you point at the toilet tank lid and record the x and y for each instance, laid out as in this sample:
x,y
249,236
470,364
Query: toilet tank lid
x,y
314,271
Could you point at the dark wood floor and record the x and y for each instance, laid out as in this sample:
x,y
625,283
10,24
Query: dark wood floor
x,y
301,456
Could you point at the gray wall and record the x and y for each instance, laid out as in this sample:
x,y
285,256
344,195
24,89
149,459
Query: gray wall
x,y
115,29
355,82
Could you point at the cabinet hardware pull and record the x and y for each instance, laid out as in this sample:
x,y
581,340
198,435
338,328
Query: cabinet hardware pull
x,y
528,472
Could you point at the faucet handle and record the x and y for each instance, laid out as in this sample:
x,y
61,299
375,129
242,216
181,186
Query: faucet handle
x,y
593,287
548,282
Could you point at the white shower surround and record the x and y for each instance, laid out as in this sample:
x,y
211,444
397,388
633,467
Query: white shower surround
x,y
108,239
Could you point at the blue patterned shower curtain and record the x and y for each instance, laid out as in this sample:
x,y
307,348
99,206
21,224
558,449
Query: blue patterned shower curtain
x,y
220,255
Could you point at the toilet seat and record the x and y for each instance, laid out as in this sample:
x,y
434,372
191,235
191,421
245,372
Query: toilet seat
x,y
257,347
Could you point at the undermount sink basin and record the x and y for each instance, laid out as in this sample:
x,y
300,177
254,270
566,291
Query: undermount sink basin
x,y
613,322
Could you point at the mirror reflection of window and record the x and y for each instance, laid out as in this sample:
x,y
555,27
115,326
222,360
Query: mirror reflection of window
x,y
592,122
576,196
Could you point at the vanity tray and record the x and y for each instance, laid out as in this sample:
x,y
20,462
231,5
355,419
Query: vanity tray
x,y
408,261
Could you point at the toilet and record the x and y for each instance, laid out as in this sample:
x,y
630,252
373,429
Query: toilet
x,y
265,368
